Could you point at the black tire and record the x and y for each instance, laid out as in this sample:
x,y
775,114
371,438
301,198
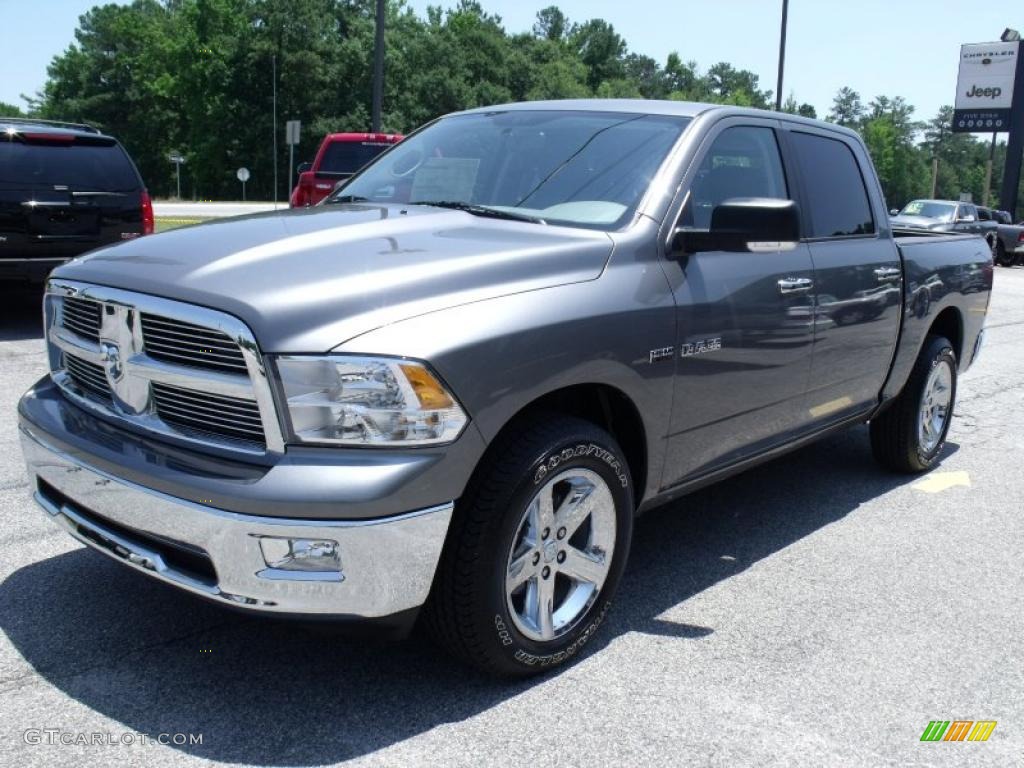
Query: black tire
x,y
895,436
468,611
1003,259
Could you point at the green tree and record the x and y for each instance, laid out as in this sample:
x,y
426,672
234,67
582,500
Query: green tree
x,y
847,109
791,106
601,50
195,76
551,24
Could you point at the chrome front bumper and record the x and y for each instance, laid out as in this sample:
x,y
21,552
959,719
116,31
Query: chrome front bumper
x,y
386,566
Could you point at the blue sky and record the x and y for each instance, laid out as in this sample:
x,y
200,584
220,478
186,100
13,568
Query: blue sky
x,y
895,47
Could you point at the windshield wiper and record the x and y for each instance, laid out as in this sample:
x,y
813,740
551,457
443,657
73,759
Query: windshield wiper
x,y
481,210
347,199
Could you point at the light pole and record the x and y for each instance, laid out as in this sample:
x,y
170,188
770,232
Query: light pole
x,y
1015,141
378,68
782,56
273,70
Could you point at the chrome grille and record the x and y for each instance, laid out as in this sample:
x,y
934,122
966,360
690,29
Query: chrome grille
x,y
88,376
212,414
82,317
188,374
177,341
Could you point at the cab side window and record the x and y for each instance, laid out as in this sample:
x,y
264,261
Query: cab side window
x,y
836,194
743,161
967,212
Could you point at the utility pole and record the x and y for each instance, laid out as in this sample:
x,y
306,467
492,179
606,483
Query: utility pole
x,y
782,56
273,71
378,68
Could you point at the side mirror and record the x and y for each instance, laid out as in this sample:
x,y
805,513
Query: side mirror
x,y
966,219
303,167
741,224
894,211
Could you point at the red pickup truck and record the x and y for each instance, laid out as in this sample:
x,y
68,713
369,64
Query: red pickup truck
x,y
340,155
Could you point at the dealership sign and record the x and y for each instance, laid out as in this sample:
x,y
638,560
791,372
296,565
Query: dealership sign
x,y
984,87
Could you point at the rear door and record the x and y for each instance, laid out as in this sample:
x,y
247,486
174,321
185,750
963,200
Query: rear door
x,y
64,194
858,276
745,320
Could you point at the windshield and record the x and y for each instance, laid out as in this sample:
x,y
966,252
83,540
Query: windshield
x,y
580,168
929,210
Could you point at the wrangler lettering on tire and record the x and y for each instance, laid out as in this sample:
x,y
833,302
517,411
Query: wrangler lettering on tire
x,y
536,549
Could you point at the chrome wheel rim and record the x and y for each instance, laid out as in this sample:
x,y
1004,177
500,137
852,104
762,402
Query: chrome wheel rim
x,y
936,403
560,554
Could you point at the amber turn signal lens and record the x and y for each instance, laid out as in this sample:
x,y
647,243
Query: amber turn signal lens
x,y
430,393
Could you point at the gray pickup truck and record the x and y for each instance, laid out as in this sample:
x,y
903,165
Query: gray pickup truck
x,y
455,383
948,216
1010,245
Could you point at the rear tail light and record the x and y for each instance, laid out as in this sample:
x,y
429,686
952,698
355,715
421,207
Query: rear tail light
x,y
53,138
147,214
1020,237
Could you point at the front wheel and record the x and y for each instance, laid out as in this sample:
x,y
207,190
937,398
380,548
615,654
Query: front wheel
x,y
910,434
537,547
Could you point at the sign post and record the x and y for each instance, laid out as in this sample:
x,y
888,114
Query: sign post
x,y
990,99
1015,147
243,176
178,159
291,137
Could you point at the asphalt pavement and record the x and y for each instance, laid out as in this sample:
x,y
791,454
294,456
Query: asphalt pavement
x,y
815,611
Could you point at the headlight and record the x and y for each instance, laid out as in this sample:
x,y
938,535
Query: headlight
x,y
367,401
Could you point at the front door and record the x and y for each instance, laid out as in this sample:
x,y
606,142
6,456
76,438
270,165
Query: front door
x,y
745,320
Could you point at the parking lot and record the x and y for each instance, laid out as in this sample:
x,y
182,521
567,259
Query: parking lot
x,y
814,611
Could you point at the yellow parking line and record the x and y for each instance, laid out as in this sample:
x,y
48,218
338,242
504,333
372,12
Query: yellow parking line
x,y
937,482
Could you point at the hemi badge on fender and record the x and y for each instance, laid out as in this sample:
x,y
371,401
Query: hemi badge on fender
x,y
664,353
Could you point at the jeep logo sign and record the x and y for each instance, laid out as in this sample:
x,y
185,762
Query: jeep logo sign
x,y
985,93
984,87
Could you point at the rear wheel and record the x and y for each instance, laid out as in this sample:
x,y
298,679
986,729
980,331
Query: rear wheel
x,y
537,547
1003,258
910,434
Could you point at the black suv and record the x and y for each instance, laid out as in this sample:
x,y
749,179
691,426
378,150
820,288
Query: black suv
x,y
65,189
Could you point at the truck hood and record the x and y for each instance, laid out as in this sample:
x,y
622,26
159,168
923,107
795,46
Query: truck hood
x,y
309,280
918,222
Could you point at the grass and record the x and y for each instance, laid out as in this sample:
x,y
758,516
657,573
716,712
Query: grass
x,y
164,223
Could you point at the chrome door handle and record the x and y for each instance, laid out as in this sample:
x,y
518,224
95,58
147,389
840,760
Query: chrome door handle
x,y
795,285
888,274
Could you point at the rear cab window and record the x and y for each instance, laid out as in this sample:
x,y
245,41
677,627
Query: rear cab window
x,y
834,187
349,156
